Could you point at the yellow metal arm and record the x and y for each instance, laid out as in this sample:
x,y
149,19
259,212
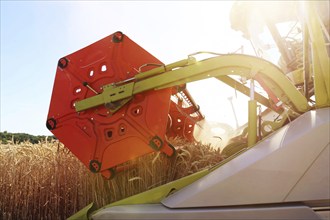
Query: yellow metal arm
x,y
124,90
321,60
231,64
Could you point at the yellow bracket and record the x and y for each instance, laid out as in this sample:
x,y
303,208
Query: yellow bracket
x,y
267,127
111,93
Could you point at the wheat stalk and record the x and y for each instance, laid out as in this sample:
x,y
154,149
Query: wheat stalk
x,y
45,181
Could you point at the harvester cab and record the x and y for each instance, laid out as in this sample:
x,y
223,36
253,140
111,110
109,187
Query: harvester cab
x,y
292,35
112,102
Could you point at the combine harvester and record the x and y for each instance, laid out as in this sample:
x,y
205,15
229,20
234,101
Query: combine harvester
x,y
113,102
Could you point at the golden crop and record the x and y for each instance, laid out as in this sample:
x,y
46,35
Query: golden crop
x,y
46,181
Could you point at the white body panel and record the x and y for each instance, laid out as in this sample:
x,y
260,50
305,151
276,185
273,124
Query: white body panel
x,y
280,178
158,211
290,165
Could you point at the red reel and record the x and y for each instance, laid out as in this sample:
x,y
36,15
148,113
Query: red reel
x,y
99,138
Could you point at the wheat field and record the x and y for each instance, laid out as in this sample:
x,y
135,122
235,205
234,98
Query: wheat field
x,y
46,181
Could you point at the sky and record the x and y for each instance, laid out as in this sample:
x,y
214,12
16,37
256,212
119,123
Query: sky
x,y
35,34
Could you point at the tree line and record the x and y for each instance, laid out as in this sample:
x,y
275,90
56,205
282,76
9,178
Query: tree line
x,y
16,138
